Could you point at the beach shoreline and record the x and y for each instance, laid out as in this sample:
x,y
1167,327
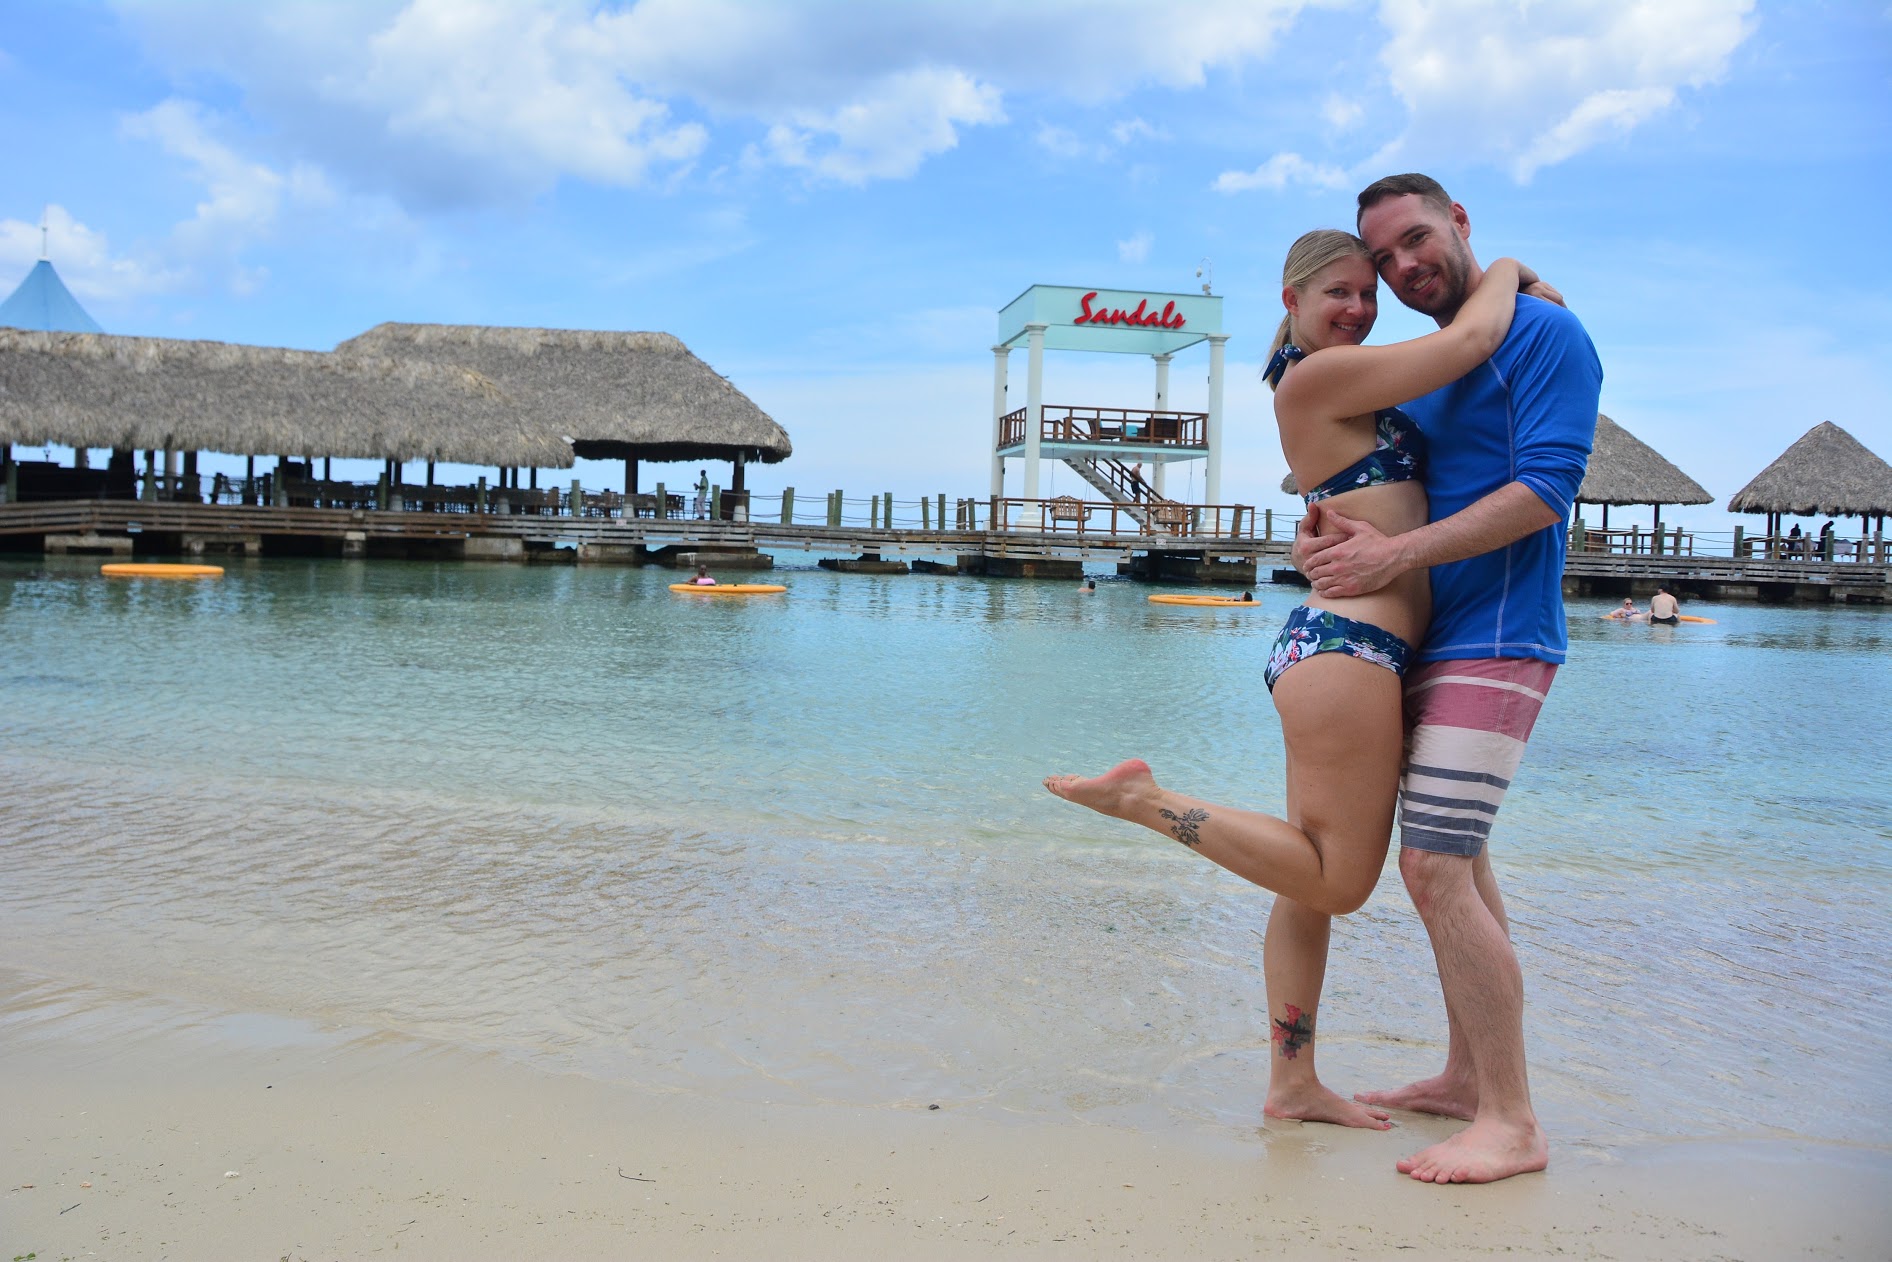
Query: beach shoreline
x,y
243,1137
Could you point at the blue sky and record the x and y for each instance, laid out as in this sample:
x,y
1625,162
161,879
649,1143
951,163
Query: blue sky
x,y
829,201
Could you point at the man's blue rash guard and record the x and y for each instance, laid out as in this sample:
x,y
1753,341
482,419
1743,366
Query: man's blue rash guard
x,y
1528,414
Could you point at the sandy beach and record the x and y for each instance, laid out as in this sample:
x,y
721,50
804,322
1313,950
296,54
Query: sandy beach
x,y
139,1130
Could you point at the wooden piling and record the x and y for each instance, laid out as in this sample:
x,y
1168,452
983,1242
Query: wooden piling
x,y
788,506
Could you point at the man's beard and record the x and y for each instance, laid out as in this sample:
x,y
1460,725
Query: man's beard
x,y
1454,286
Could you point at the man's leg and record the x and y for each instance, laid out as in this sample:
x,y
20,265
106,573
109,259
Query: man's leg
x,y
1453,1091
1469,722
1484,994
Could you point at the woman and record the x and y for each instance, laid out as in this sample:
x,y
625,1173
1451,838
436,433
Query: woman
x,y
1336,669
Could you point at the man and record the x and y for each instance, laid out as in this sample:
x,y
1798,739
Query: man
x,y
1664,609
1508,446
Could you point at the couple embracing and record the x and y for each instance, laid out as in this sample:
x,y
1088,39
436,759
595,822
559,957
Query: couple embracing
x,y
1438,474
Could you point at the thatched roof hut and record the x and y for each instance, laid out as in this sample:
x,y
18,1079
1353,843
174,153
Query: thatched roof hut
x,y
616,395
1625,470
1828,471
131,393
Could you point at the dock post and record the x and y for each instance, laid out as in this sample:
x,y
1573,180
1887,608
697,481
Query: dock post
x,y
942,510
1267,525
788,506
381,492
576,504
886,516
716,503
479,496
926,515
873,513
1738,541
992,515
1656,539
663,502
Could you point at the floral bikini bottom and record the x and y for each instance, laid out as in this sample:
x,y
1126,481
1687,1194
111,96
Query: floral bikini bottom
x,y
1311,631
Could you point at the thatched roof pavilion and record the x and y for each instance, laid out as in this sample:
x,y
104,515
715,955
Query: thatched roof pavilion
x,y
127,393
616,395
1827,471
1625,470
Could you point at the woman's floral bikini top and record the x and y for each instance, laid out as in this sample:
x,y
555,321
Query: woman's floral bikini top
x,y
1399,454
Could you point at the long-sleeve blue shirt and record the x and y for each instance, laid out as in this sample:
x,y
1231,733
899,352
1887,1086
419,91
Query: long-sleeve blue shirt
x,y
1527,414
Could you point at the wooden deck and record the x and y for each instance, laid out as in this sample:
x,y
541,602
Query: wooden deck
x,y
176,528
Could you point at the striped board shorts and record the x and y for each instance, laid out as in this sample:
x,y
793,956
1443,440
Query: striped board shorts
x,y
1467,723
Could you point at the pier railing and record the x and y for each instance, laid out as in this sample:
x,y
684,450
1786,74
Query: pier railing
x,y
1077,423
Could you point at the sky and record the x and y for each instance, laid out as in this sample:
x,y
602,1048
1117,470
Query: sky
x,y
830,200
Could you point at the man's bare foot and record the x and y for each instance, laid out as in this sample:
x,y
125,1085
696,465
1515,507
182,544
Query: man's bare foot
x,y
1315,1103
1483,1152
1109,794
1446,1095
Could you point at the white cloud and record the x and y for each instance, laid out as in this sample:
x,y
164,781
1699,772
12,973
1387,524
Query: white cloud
x,y
1280,171
1062,142
451,102
1341,112
536,90
1136,249
888,130
1527,85
82,255
1130,130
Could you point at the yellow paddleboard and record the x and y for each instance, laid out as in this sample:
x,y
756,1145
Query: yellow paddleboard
x,y
155,569
1189,598
729,589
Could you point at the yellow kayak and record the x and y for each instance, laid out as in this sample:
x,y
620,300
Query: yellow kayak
x,y
156,569
1189,598
729,589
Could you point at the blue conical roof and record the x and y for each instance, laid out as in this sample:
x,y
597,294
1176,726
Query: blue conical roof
x,y
43,303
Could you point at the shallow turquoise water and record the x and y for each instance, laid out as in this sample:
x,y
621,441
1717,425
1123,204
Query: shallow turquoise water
x,y
795,847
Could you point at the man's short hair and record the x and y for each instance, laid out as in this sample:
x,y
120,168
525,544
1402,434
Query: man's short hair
x,y
1400,186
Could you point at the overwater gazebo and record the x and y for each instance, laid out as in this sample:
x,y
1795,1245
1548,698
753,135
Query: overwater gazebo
x,y
1625,470
89,390
1828,473
627,396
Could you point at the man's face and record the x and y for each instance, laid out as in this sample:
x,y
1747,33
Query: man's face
x,y
1421,253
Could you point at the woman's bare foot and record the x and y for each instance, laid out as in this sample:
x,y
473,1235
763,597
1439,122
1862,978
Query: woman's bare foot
x,y
1314,1103
1112,793
1483,1152
1446,1095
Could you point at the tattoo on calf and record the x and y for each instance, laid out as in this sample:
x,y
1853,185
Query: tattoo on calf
x,y
1294,1033
1183,827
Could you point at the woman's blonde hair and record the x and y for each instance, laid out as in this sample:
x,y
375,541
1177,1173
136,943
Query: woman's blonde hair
x,y
1307,258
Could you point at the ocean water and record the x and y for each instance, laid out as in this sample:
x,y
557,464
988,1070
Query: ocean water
x,y
795,848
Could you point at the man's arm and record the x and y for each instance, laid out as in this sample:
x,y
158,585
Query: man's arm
x,y
1354,558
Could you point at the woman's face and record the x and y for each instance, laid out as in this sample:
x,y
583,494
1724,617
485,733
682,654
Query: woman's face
x,y
1338,306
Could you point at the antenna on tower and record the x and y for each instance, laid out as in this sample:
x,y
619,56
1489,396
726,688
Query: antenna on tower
x,y
1205,272
44,216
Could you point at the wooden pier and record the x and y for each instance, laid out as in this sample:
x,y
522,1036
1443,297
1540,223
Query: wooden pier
x,y
135,527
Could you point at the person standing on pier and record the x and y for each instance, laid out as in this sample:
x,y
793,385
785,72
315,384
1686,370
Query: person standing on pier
x,y
1508,443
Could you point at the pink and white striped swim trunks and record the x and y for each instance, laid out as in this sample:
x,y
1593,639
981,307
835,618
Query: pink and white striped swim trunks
x,y
1467,724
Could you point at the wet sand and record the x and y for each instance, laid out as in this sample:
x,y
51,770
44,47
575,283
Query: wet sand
x,y
260,1137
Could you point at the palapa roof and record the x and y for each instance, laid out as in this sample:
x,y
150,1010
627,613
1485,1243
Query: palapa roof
x,y
1828,471
614,394
1625,470
98,390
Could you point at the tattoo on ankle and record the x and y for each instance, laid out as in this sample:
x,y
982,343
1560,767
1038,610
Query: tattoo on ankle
x,y
1294,1033
1183,827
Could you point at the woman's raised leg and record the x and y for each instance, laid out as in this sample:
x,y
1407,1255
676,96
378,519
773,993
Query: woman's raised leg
x,y
1341,720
